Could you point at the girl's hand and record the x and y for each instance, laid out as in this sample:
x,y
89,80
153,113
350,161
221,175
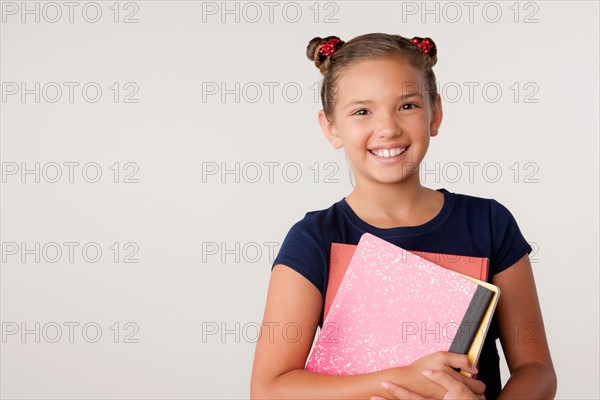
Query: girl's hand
x,y
456,389
447,363
418,385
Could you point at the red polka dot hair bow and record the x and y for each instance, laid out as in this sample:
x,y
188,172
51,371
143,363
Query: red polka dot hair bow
x,y
329,47
422,43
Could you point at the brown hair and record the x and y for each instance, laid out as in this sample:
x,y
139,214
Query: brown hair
x,y
368,47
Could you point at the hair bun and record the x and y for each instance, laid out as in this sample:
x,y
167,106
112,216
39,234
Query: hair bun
x,y
321,59
311,49
427,46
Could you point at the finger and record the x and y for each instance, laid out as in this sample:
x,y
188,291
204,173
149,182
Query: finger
x,y
476,386
377,398
400,392
455,388
444,379
462,361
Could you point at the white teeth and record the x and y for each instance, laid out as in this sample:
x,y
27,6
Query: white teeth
x,y
389,153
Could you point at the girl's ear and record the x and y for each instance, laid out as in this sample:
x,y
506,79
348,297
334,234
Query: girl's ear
x,y
330,131
436,117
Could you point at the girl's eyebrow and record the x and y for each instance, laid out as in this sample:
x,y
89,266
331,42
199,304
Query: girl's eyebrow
x,y
402,97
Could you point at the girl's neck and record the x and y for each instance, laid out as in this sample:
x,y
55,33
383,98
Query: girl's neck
x,y
404,204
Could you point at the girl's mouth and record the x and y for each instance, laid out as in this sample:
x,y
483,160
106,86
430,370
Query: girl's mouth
x,y
389,154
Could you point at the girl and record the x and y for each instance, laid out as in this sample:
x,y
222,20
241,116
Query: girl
x,y
380,103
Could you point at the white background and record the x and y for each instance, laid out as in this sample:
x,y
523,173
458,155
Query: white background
x,y
179,222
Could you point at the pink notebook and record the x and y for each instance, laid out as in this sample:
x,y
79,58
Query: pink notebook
x,y
394,307
341,254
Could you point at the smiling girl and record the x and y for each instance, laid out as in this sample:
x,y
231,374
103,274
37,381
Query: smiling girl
x,y
380,104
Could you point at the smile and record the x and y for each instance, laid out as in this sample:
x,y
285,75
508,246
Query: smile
x,y
388,153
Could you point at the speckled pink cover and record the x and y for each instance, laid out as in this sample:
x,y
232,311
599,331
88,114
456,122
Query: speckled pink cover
x,y
392,308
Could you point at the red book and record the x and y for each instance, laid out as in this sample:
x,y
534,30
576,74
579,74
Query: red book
x,y
341,254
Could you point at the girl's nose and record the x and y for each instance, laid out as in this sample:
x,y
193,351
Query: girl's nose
x,y
388,126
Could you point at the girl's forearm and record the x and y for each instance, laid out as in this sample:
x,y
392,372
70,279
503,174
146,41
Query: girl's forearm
x,y
531,381
302,384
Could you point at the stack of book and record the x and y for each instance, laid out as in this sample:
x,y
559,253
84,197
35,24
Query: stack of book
x,y
386,307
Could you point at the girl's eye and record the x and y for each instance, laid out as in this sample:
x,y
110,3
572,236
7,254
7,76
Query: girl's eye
x,y
409,104
359,111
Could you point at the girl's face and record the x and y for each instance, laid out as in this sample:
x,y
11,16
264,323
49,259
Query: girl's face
x,y
383,120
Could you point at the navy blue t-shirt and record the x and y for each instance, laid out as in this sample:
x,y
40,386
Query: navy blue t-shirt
x,y
466,225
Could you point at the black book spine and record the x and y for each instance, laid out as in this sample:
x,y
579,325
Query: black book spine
x,y
473,316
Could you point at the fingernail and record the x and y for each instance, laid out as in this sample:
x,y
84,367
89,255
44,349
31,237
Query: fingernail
x,y
475,369
385,385
427,372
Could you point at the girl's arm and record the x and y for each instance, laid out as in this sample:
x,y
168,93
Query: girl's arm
x,y
292,313
523,336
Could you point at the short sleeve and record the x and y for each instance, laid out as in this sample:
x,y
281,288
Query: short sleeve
x,y
302,250
508,243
